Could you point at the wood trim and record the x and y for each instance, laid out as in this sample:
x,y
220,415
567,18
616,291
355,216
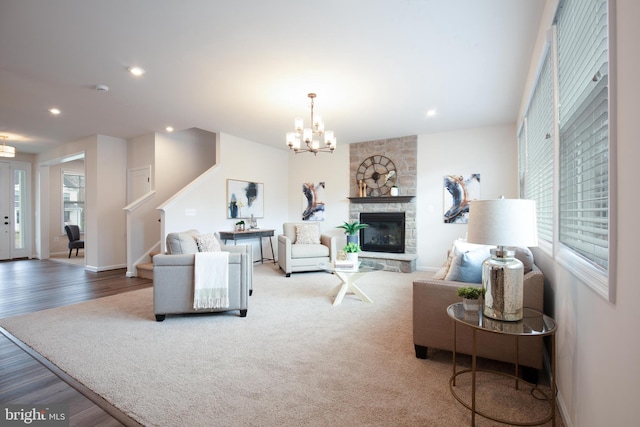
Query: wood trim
x,y
384,199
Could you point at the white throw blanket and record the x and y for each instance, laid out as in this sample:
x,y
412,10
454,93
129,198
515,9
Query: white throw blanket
x,y
211,281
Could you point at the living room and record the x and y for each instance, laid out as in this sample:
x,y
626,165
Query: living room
x,y
597,359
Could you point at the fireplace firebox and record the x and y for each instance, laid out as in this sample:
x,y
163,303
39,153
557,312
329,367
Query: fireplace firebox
x,y
385,232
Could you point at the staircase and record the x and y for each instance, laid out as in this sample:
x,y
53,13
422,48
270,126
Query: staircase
x,y
145,270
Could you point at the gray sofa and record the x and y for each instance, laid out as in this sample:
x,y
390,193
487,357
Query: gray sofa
x,y
294,256
433,328
173,277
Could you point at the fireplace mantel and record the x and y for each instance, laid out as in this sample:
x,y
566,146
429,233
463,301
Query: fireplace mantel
x,y
382,199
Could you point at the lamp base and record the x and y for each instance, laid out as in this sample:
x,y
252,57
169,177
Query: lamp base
x,y
502,280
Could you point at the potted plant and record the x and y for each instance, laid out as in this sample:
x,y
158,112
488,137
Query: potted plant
x,y
470,297
351,250
352,229
240,226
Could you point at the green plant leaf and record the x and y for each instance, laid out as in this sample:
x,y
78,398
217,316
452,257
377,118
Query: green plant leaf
x,y
352,228
351,247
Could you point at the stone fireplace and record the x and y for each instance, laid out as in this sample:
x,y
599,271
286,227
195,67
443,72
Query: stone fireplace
x,y
403,152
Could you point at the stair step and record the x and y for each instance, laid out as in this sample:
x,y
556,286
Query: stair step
x,y
145,270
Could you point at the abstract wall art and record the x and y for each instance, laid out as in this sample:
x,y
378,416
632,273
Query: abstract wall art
x,y
245,198
313,201
458,191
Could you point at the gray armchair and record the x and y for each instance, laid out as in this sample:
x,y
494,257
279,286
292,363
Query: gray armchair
x,y
173,277
296,254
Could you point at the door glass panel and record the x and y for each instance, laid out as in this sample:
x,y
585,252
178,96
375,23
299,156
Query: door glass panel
x,y
19,208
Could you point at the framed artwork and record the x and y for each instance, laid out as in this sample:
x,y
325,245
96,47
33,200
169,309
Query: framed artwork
x,y
313,201
458,191
245,198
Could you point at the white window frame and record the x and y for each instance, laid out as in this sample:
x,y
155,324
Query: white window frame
x,y
600,281
64,172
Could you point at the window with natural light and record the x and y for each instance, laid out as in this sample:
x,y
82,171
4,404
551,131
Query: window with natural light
x,y
564,144
73,199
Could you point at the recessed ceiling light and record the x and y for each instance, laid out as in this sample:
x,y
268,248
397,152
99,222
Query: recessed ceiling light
x,y
169,129
136,71
54,111
431,113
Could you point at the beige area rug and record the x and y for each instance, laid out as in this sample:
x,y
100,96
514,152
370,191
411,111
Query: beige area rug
x,y
73,260
295,360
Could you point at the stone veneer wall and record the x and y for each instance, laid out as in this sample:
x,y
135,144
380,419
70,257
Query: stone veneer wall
x,y
403,152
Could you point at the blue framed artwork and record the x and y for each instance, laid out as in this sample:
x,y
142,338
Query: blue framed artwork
x,y
245,198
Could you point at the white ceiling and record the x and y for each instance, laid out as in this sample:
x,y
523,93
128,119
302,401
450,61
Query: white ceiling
x,y
245,67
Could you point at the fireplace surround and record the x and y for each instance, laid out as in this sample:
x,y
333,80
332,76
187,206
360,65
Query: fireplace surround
x,y
403,151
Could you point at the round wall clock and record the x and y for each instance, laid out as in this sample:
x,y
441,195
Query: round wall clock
x,y
379,173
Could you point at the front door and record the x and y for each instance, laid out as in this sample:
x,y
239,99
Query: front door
x,y
14,212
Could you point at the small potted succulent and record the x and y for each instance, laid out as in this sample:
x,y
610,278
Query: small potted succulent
x,y
351,250
352,229
470,297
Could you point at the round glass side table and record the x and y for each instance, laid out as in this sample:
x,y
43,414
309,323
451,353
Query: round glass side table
x,y
533,324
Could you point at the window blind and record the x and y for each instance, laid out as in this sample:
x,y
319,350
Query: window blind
x,y
584,134
539,151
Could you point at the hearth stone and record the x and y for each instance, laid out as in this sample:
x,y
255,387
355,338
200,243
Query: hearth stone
x,y
405,263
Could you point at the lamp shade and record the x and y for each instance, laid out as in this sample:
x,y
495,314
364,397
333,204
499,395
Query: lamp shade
x,y
503,222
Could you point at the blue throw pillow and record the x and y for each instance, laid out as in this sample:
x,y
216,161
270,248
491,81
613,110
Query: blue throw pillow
x,y
467,267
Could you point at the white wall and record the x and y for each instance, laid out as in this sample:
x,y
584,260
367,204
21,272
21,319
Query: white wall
x,y
141,153
206,209
597,341
106,195
333,169
170,173
489,151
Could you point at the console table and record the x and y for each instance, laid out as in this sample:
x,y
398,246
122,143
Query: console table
x,y
533,324
254,233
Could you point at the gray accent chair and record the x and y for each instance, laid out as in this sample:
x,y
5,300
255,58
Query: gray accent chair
x,y
173,277
433,328
293,257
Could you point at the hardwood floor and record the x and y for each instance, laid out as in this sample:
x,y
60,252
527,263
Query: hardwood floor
x,y
33,285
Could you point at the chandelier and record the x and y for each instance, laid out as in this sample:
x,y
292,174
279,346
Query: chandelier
x,y
311,136
6,150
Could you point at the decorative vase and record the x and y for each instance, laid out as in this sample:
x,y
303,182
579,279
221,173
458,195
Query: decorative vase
x,y
352,238
471,304
394,191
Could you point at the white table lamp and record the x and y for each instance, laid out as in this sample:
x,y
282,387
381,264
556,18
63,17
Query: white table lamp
x,y
503,223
